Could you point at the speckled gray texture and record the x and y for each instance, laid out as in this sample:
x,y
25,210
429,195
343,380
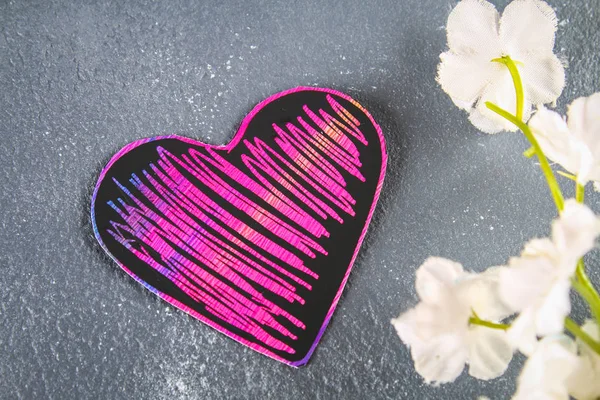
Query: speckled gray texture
x,y
78,80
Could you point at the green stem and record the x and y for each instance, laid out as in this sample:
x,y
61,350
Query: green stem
x,y
579,192
530,152
516,77
568,176
544,164
582,284
475,320
517,119
584,287
576,330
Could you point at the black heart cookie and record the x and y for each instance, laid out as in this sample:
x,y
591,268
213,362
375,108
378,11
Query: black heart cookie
x,y
255,238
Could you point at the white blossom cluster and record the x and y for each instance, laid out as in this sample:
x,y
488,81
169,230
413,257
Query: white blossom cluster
x,y
481,319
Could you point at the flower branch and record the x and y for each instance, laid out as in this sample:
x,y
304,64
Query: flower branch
x,y
579,333
475,320
458,318
516,77
579,192
544,164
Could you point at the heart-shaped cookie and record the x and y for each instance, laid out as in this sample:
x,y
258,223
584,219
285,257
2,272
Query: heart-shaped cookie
x,y
255,238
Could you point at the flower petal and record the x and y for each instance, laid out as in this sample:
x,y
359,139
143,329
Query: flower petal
x,y
527,27
547,370
500,92
525,281
434,276
540,248
482,293
426,322
593,330
521,333
584,383
441,360
406,328
543,78
488,122
464,77
574,233
552,134
472,29
490,352
584,122
550,316
584,125
419,324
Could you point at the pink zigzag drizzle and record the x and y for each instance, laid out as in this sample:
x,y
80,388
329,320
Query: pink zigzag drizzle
x,y
217,259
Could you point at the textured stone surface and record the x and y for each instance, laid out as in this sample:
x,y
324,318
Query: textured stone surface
x,y
78,80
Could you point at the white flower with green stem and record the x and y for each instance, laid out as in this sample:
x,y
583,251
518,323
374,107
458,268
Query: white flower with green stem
x,y
561,368
580,229
439,332
498,83
562,253
477,35
572,143
537,284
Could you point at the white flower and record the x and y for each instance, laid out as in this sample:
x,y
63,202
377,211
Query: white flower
x,y
477,35
584,382
547,371
438,332
575,144
537,283
556,371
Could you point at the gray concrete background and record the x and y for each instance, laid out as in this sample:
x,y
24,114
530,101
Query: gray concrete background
x,y
78,80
